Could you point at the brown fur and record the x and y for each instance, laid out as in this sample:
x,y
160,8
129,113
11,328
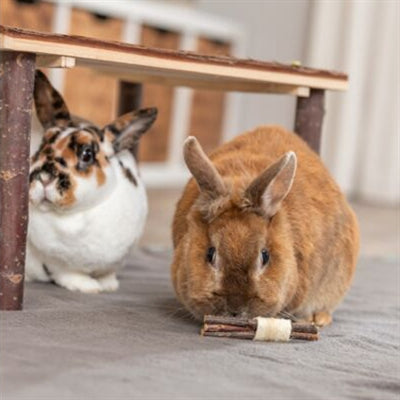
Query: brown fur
x,y
312,236
204,171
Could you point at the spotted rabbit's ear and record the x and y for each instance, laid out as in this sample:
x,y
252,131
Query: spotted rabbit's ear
x,y
50,106
126,130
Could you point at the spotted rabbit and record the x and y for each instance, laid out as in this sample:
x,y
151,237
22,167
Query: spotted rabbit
x,y
87,202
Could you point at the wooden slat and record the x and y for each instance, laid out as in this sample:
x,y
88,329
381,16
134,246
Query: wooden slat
x,y
38,17
44,61
208,106
154,145
219,84
90,95
124,58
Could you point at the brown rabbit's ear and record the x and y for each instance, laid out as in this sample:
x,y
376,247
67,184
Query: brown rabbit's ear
x,y
50,106
269,189
202,169
127,129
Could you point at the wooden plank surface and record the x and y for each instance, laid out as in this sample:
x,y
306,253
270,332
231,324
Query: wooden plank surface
x,y
190,67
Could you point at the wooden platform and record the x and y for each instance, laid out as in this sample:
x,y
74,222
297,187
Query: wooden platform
x,y
169,67
22,51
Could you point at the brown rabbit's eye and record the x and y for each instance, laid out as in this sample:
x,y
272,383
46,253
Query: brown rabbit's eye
x,y
210,256
265,257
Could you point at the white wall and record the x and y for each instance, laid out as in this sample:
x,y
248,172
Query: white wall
x,y
276,32
361,134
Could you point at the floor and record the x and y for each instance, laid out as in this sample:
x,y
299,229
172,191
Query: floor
x,y
138,343
380,227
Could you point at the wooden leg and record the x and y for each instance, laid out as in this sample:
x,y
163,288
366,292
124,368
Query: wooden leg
x,y
309,116
130,98
17,73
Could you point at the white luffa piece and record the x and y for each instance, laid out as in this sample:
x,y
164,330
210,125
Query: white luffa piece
x,y
273,329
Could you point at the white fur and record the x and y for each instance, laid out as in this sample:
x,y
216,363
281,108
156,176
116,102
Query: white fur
x,y
82,247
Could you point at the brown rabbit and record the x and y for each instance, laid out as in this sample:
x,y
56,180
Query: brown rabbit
x,y
255,236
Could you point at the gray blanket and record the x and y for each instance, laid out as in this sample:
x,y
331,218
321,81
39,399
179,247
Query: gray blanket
x,y
138,343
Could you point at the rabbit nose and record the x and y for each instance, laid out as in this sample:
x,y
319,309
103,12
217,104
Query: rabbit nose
x,y
237,308
242,313
45,178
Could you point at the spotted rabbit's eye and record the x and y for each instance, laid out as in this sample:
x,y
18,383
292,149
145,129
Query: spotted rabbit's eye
x,y
264,256
86,155
211,254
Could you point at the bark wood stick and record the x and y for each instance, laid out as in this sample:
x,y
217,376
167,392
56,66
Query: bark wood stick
x,y
304,336
221,326
250,335
227,328
237,335
306,328
222,320
16,91
296,328
216,319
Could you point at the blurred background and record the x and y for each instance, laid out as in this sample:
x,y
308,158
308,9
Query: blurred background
x,y
360,141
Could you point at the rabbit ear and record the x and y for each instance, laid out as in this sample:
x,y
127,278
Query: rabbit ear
x,y
127,129
269,189
202,169
50,106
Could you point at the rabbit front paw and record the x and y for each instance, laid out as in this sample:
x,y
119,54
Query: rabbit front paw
x,y
76,281
322,318
109,282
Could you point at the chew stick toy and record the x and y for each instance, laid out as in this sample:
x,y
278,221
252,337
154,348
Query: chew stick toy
x,y
265,329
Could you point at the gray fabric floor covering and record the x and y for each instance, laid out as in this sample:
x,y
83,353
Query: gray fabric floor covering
x,y
138,343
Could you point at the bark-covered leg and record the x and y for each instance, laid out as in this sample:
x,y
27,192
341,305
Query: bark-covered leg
x,y
309,117
17,72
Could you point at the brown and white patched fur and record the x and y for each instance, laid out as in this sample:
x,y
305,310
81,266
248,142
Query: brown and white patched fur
x,y
262,230
87,202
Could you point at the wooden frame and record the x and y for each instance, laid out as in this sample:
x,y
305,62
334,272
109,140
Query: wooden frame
x,y
182,68
18,52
